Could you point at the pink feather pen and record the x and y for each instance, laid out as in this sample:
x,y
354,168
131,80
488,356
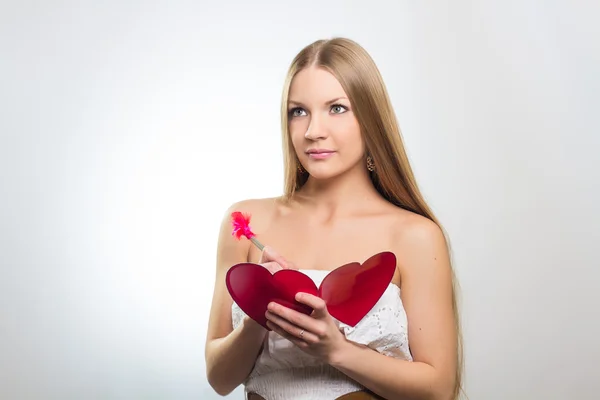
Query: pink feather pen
x,y
241,227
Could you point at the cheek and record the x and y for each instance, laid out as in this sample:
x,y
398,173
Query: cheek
x,y
348,134
297,129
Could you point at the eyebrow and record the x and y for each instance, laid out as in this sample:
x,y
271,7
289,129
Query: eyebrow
x,y
327,102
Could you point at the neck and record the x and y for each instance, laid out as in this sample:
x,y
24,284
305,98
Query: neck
x,y
341,195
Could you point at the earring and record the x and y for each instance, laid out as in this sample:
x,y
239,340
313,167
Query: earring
x,y
370,164
300,169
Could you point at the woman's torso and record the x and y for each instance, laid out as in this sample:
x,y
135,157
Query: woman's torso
x,y
283,371
317,245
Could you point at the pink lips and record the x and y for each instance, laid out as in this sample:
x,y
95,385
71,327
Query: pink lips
x,y
319,154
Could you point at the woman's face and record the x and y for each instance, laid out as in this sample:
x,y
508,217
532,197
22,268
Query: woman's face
x,y
324,131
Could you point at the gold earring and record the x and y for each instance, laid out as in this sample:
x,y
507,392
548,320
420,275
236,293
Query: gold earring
x,y
300,169
370,164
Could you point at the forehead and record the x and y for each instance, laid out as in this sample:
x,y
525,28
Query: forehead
x,y
315,85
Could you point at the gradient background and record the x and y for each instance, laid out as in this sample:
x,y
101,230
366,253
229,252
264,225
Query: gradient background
x,y
121,123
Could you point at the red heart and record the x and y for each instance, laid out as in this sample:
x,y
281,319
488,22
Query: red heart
x,y
350,291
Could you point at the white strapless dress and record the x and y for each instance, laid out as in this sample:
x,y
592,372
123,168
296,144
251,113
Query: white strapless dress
x,y
284,372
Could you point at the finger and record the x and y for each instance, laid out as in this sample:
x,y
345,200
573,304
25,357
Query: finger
x,y
290,330
292,316
316,303
292,320
277,329
272,266
269,254
291,265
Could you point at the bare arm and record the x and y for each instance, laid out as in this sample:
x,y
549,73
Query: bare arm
x,y
230,359
230,354
427,297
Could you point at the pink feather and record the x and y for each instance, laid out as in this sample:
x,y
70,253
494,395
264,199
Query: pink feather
x,y
241,225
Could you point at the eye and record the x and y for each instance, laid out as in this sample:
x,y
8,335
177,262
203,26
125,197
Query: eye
x,y
295,112
338,109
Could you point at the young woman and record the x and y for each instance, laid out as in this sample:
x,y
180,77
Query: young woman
x,y
349,193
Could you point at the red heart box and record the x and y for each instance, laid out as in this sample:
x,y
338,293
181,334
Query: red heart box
x,y
350,291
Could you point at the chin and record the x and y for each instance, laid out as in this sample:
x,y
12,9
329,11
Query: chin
x,y
324,173
321,176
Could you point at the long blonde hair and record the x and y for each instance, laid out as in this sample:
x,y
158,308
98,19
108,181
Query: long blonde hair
x,y
394,179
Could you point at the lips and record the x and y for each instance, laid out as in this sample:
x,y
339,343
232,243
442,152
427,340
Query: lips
x,y
319,154
318,151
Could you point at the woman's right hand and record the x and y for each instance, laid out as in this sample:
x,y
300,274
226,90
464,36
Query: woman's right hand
x,y
274,262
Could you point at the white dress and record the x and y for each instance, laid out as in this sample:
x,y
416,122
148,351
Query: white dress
x,y
284,372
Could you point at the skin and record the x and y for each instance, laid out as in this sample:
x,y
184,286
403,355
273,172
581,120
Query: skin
x,y
339,210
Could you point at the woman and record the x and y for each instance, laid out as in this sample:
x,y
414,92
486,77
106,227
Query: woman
x,y
349,194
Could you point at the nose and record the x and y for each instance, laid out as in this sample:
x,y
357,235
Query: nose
x,y
316,129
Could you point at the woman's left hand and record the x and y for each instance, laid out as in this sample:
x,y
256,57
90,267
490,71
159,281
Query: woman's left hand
x,y
316,334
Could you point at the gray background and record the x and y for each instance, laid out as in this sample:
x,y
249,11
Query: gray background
x,y
122,124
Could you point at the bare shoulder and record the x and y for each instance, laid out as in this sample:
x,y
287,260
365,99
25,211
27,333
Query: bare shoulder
x,y
231,251
417,229
260,211
420,243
